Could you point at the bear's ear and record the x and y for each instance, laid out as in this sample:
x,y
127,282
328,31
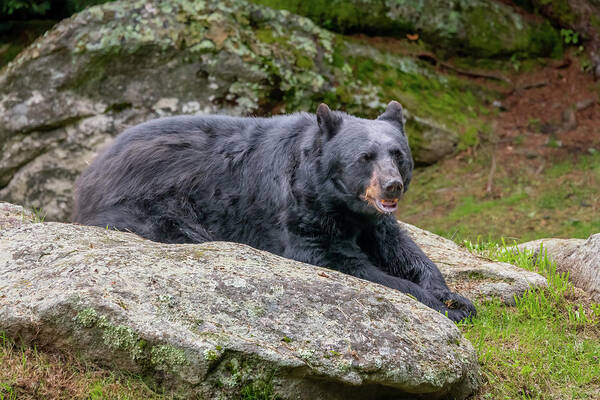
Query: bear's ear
x,y
393,113
329,123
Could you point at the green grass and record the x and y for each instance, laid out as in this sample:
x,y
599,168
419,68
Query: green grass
x,y
260,390
26,373
450,199
470,206
546,347
39,215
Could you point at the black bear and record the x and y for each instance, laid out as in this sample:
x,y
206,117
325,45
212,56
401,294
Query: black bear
x,y
320,189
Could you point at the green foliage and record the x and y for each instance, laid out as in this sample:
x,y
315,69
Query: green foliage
x,y
587,65
514,61
547,346
96,391
31,9
469,138
569,36
35,7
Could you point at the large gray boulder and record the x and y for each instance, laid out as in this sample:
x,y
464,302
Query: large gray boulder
x,y
579,257
122,63
218,319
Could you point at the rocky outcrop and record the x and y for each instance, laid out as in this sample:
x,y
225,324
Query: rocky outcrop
x,y
477,28
579,257
475,276
218,319
122,63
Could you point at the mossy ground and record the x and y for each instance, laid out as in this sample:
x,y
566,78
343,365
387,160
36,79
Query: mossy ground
x,y
28,373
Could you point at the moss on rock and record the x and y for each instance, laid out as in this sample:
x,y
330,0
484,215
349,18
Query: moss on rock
x,y
481,28
161,357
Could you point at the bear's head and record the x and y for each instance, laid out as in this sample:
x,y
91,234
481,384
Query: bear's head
x,y
366,165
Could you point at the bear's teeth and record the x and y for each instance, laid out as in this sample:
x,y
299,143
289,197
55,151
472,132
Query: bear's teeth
x,y
386,206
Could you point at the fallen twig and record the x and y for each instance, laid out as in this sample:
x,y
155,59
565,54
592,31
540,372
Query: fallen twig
x,y
490,180
473,74
540,168
534,85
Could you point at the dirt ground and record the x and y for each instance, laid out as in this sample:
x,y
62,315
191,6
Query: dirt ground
x,y
553,113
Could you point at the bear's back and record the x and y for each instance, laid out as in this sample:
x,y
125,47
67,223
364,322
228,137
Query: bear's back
x,y
230,175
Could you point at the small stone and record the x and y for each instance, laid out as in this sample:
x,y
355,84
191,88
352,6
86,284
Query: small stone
x,y
499,105
166,104
569,120
584,104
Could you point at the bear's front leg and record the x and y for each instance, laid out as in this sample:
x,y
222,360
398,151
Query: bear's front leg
x,y
348,257
392,251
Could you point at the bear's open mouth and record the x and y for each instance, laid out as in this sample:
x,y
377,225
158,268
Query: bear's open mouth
x,y
387,205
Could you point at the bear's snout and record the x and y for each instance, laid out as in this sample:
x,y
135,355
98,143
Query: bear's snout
x,y
384,191
393,188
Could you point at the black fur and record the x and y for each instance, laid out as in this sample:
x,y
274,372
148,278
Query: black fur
x,y
293,185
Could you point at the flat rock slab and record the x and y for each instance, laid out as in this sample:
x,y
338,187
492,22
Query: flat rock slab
x,y
473,276
212,319
579,257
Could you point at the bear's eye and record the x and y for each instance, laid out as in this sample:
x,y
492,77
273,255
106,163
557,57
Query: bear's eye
x,y
396,154
366,157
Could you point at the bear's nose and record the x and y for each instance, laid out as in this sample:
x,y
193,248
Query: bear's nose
x,y
393,186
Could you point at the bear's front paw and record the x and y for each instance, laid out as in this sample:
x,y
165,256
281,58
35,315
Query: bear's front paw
x,y
458,306
457,315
